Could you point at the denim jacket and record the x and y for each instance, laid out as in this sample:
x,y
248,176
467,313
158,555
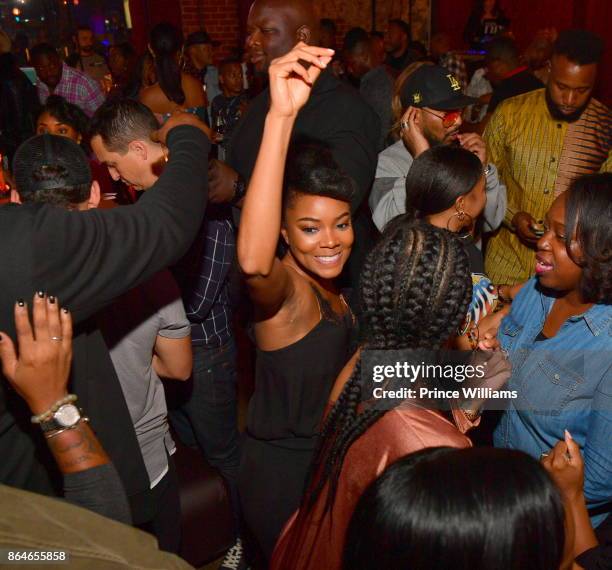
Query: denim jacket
x,y
564,382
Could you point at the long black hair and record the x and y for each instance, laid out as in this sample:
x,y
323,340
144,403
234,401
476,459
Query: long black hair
x,y
165,43
415,289
438,177
588,212
447,509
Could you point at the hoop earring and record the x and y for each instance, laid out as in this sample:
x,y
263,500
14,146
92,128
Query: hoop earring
x,y
461,216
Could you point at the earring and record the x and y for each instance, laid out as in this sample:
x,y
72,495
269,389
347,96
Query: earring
x,y
461,216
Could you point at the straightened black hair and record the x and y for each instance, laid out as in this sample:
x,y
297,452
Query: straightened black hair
x,y
166,43
579,46
311,169
458,509
438,177
122,121
588,215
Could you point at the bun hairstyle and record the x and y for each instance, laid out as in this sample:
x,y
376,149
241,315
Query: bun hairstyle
x,y
438,177
311,169
165,43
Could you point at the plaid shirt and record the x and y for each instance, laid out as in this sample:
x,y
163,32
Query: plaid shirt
x,y
202,275
454,63
76,88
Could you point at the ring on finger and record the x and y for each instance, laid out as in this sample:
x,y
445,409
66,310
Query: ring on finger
x,y
57,338
544,454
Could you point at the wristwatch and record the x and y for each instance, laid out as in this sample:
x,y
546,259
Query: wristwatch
x,y
239,190
66,417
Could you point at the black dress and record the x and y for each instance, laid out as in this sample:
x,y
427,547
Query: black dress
x,y
292,387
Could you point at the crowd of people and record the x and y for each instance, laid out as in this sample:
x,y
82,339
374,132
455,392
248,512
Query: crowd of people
x,y
332,205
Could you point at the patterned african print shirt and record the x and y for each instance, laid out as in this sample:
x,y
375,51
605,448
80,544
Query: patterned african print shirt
x,y
538,157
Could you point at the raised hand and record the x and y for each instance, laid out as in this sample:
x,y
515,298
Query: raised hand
x,y
40,373
412,134
292,77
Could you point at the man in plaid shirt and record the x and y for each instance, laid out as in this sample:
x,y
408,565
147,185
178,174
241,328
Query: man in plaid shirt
x,y
449,60
56,78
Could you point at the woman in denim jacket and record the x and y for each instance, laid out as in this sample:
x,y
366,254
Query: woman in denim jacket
x,y
559,338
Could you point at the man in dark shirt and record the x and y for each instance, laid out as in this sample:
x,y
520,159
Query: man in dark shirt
x,y
87,259
397,43
376,84
334,114
508,77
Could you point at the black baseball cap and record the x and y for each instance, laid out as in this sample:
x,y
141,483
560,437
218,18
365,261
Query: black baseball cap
x,y
200,37
434,87
67,159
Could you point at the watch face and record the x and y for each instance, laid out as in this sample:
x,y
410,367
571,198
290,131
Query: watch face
x,y
67,415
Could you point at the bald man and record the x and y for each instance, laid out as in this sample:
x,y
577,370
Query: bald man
x,y
335,114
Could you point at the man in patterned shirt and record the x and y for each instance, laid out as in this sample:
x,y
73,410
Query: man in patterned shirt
x,y
541,142
57,78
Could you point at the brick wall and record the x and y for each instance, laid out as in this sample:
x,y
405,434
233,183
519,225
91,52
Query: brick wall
x,y
218,17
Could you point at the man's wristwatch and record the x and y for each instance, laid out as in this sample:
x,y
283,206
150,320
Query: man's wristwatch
x,y
66,417
239,190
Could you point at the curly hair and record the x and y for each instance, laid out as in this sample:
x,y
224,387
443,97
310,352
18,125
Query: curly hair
x,y
588,212
69,114
415,290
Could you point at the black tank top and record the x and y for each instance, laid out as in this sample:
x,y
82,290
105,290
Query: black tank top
x,y
293,383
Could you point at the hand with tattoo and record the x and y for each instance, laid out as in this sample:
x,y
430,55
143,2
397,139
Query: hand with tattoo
x,y
38,371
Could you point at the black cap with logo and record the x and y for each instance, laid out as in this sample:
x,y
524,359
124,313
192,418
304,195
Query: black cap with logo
x,y
434,87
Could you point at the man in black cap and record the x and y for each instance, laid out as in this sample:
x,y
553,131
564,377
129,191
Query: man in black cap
x,y
432,103
199,49
86,260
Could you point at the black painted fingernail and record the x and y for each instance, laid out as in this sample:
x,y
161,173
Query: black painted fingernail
x,y
51,299
21,302
41,294
65,310
1,337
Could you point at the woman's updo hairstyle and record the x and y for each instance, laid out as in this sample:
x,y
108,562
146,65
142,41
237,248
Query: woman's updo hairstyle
x,y
438,177
588,212
165,43
311,169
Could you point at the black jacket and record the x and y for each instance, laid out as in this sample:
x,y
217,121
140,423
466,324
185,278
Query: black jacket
x,y
87,259
335,114
19,106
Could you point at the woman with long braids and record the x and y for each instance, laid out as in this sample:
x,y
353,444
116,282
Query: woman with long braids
x,y
415,290
302,325
174,89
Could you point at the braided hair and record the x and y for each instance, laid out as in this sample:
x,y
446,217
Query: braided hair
x,y
415,290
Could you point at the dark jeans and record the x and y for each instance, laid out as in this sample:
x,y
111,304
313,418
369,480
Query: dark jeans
x,y
166,524
207,415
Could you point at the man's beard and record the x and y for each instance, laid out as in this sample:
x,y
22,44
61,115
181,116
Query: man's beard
x,y
556,113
